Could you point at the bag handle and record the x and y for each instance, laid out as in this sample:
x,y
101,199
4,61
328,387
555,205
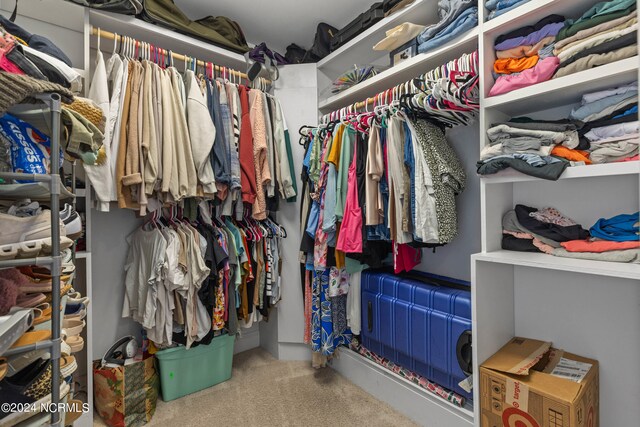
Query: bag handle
x,y
13,16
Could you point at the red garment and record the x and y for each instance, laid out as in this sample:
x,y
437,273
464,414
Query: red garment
x,y
245,149
599,245
9,66
405,257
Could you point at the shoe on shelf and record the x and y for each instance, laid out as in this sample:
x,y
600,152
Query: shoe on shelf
x,y
30,300
72,222
26,284
31,338
8,295
28,236
75,343
68,366
4,367
30,385
18,362
73,327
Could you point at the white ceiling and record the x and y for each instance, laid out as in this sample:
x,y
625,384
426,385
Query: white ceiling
x,y
278,22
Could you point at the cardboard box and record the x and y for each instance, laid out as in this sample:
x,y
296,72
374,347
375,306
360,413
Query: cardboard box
x,y
526,384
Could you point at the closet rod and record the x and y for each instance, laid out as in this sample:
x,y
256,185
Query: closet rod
x,y
176,56
382,98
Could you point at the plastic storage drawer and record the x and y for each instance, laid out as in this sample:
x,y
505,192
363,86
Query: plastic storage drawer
x,y
183,371
422,326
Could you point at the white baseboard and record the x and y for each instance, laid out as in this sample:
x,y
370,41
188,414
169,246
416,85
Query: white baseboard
x,y
404,396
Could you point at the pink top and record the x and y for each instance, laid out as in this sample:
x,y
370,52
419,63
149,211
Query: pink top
x,y
542,72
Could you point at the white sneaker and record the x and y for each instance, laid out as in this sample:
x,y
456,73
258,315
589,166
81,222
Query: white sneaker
x,y
72,222
28,236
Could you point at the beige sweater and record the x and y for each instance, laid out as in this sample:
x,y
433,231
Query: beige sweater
x,y
202,132
187,175
149,136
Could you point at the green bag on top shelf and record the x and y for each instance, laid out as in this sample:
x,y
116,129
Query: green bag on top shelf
x,y
219,30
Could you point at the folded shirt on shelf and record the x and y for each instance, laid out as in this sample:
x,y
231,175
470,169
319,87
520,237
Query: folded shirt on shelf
x,y
448,11
551,170
601,12
514,65
527,229
612,131
526,50
583,34
502,10
542,72
620,228
467,20
567,51
628,39
599,245
573,155
598,59
530,34
589,111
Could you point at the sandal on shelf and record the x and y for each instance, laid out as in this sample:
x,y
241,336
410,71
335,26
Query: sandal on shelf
x,y
68,365
42,313
75,343
4,367
30,300
73,327
31,338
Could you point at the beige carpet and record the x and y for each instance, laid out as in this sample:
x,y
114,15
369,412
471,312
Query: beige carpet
x,y
267,392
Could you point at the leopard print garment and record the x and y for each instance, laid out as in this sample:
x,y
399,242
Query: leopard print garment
x,y
447,173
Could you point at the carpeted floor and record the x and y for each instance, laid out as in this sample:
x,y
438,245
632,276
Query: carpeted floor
x,y
267,392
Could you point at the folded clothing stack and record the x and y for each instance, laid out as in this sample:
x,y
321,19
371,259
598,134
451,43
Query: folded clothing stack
x,y
525,56
603,129
528,146
605,33
498,7
609,124
547,230
456,18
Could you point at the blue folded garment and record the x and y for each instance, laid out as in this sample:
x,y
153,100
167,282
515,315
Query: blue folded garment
x,y
620,228
498,12
500,4
632,110
463,23
584,111
448,11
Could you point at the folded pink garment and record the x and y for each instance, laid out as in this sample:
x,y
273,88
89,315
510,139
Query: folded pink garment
x,y
630,159
599,245
542,72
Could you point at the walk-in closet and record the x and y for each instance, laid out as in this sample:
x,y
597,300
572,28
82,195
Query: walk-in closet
x,y
391,213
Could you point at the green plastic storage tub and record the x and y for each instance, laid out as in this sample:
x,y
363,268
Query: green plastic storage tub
x,y
183,371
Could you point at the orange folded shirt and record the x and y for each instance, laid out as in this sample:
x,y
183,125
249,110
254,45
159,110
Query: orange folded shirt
x,y
569,154
599,245
514,65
